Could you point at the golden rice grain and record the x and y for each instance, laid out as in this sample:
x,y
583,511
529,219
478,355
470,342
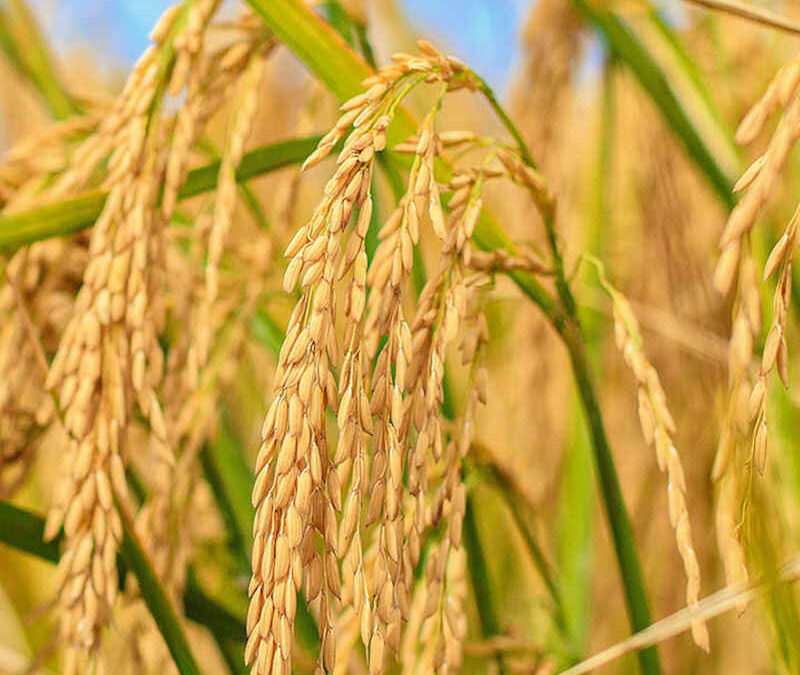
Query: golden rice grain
x,y
658,427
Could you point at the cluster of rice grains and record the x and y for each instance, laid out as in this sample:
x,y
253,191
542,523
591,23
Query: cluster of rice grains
x,y
36,301
397,460
658,428
359,489
109,368
743,442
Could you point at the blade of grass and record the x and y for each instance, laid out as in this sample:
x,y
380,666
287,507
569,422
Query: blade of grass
x,y
750,12
24,531
478,573
202,609
353,31
624,44
341,69
574,524
71,215
690,70
155,598
326,54
235,477
521,513
25,46
267,332
231,482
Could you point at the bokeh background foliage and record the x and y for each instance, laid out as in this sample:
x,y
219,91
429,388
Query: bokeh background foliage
x,y
629,110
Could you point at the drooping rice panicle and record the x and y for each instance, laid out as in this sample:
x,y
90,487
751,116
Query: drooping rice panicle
x,y
658,428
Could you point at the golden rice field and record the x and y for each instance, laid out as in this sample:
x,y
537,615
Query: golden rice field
x,y
320,356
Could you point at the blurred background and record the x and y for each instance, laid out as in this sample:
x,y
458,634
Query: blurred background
x,y
481,32
629,193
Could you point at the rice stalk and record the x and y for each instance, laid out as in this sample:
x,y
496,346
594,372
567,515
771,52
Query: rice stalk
x,y
161,325
749,12
746,421
658,427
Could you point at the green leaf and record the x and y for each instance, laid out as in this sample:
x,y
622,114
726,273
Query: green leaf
x,y
71,215
267,332
624,44
316,44
337,66
325,53
156,599
479,575
24,531
690,82
521,514
25,47
231,481
201,609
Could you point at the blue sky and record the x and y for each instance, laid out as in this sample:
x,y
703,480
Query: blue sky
x,y
483,32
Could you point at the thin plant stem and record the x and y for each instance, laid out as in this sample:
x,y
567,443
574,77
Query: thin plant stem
x,y
508,123
568,324
745,10
487,614
71,215
155,597
24,531
516,502
714,605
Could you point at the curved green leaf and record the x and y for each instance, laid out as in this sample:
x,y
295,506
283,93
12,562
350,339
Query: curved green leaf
x,y
342,70
156,599
628,49
24,531
71,215
25,47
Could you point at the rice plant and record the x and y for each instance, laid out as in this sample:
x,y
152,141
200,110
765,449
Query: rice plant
x,y
317,355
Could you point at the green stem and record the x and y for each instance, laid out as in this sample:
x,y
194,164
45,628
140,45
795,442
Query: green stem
x,y
231,482
508,123
203,610
23,43
575,519
24,531
629,50
155,598
479,575
567,323
70,215
511,496
616,512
